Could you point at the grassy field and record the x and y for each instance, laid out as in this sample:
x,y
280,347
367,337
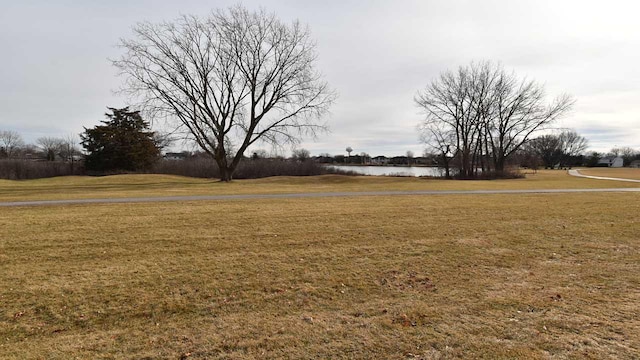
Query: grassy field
x,y
168,185
406,277
623,173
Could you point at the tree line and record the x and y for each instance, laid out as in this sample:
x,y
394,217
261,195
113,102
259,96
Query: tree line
x,y
48,148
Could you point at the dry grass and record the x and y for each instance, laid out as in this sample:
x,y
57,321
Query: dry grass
x,y
168,185
482,276
623,173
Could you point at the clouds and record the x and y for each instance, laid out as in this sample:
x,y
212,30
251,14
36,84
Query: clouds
x,y
56,76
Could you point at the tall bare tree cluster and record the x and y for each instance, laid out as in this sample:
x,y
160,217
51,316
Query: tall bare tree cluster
x,y
480,115
230,80
556,150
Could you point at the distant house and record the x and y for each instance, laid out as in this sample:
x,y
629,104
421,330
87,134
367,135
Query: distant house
x,y
380,160
399,160
611,161
635,164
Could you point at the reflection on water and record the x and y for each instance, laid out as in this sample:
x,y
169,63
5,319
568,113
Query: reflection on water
x,y
392,170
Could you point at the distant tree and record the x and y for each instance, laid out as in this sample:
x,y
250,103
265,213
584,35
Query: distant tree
x,y
628,154
529,159
301,154
439,139
123,142
592,159
50,147
27,151
324,158
365,158
10,143
558,149
409,157
69,150
572,145
229,80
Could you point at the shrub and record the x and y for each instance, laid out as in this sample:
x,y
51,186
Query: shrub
x,y
19,169
202,167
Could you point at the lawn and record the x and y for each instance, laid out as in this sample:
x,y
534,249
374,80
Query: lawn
x,y
456,276
166,185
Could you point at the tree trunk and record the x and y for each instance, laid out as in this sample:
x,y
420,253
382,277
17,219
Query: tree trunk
x,y
226,170
445,162
499,165
226,174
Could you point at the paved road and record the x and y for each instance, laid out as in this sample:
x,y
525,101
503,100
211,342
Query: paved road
x,y
578,174
305,195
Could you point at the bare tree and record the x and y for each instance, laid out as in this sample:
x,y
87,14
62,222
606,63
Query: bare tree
x,y
439,139
572,144
627,154
487,114
548,148
409,157
517,110
50,147
301,154
10,143
231,79
557,149
449,101
69,150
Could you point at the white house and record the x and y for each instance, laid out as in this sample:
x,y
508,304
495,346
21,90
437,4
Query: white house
x,y
611,161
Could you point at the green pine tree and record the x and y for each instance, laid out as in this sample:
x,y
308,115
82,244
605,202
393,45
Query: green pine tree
x,y
123,143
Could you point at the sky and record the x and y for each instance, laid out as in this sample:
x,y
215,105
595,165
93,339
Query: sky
x,y
56,77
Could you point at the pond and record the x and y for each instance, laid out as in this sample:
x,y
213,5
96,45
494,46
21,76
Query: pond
x,y
392,170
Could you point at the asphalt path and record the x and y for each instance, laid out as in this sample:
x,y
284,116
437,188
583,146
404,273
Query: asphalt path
x,y
305,195
579,174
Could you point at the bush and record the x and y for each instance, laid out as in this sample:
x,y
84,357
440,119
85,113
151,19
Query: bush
x,y
198,167
203,167
492,175
18,169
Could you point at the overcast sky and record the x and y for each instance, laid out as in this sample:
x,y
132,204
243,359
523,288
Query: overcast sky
x,y
56,76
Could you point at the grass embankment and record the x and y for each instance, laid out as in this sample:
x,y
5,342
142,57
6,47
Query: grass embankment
x,y
168,185
484,276
623,173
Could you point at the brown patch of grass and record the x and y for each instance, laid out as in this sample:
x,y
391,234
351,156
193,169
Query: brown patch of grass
x,y
623,173
169,185
486,276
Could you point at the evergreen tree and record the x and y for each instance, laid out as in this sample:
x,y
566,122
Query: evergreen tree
x,y
123,142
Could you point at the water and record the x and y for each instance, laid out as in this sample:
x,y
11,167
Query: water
x,y
392,170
